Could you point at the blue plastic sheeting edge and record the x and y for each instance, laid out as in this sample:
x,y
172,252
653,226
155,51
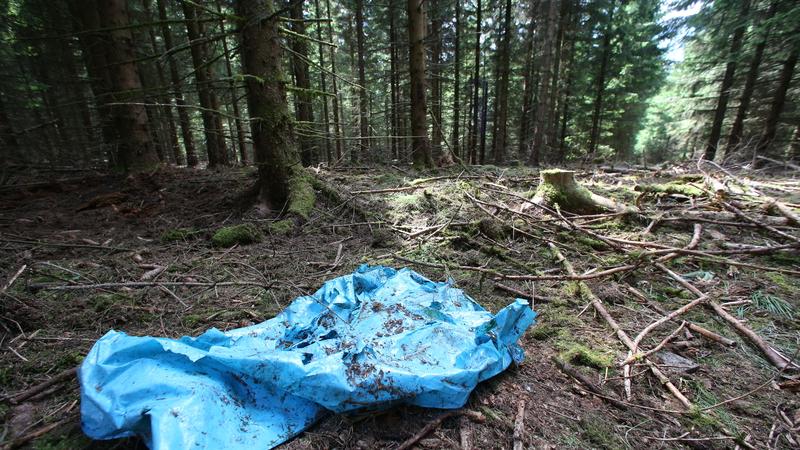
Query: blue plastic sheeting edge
x,y
371,339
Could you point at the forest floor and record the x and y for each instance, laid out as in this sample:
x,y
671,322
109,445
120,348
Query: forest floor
x,y
477,227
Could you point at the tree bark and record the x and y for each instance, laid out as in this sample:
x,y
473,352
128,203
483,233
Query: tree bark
x,y
282,183
484,108
594,136
473,139
735,136
570,76
337,124
541,126
135,150
324,86
778,100
363,94
394,81
303,109
528,88
727,82
93,47
456,140
177,94
420,146
237,114
166,108
794,145
212,124
501,94
7,135
442,154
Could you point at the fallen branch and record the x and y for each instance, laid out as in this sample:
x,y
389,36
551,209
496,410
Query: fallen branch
x,y
621,334
30,392
56,244
432,425
573,372
22,440
142,284
519,426
705,332
773,356
12,279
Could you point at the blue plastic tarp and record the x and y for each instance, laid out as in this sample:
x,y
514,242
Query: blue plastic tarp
x,y
370,339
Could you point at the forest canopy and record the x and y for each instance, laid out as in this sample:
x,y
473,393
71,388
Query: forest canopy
x,y
133,84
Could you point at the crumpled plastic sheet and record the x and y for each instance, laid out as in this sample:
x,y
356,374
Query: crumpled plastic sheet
x,y
371,339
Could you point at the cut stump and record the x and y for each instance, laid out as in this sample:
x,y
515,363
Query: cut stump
x,y
558,187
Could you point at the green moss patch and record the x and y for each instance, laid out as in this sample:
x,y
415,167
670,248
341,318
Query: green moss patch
x,y
178,234
237,234
584,356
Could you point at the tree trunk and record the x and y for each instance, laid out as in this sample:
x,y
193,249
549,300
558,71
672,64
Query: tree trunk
x,y
484,108
94,49
420,146
473,138
303,109
569,70
237,114
737,128
528,88
177,94
135,151
456,140
363,99
541,124
324,86
727,82
7,135
501,95
442,154
778,100
212,124
594,136
394,129
164,99
282,182
337,124
793,150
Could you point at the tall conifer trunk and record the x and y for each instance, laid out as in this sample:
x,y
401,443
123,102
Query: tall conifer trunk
x,y
420,145
727,82
135,149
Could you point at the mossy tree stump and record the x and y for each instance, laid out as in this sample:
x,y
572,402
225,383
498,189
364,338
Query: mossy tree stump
x,y
558,187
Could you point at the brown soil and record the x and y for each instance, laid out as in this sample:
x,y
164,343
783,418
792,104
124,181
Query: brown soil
x,y
104,229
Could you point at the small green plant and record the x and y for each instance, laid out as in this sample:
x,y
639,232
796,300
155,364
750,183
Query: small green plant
x,y
237,234
178,234
772,304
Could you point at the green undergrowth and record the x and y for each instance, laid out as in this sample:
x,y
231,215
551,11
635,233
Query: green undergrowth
x,y
672,187
711,420
281,227
178,234
237,234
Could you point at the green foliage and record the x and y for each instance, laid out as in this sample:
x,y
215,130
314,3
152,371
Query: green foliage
x,y
774,305
584,356
281,227
237,234
178,234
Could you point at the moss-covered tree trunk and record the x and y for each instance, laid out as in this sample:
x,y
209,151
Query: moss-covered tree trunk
x,y
283,185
